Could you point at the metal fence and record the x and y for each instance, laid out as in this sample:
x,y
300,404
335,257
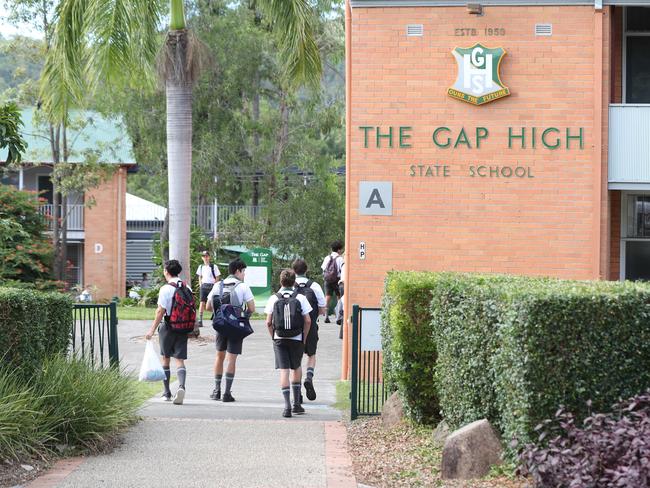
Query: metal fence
x,y
75,215
94,334
208,217
367,394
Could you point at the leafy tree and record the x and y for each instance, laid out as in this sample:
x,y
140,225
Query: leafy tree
x,y
10,138
25,253
115,41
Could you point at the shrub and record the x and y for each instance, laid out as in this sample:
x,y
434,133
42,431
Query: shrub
x,y
410,353
34,326
608,450
23,427
511,349
86,405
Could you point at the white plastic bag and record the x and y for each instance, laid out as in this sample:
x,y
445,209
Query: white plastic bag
x,y
151,369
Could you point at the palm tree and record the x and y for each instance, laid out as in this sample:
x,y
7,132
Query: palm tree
x,y
115,41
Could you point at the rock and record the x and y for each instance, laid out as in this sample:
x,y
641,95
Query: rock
x,y
27,467
441,433
470,451
392,413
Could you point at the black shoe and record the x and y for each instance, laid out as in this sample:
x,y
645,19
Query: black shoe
x,y
227,397
309,387
167,396
286,412
297,409
215,395
339,321
327,320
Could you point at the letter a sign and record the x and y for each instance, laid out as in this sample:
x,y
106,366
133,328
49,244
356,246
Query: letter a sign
x,y
375,198
479,80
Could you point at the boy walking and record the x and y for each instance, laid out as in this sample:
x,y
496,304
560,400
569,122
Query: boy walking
x,y
173,344
240,296
288,321
316,298
332,274
208,275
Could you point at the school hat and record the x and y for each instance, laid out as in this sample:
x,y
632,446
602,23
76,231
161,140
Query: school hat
x,y
205,253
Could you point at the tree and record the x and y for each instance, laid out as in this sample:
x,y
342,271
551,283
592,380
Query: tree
x,y
25,254
10,138
115,41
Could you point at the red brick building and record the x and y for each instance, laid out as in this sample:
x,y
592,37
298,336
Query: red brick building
x,y
501,137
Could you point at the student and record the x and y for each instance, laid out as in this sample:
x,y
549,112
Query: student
x,y
172,344
289,336
332,273
208,275
240,295
316,299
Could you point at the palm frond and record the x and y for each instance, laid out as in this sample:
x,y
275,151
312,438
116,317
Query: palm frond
x,y
293,20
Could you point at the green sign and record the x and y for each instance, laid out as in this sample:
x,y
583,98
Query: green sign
x,y
258,273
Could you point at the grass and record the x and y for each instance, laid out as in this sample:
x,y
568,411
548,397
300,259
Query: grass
x,y
68,403
342,395
135,313
149,389
148,313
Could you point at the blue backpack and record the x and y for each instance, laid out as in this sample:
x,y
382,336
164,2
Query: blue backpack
x,y
227,318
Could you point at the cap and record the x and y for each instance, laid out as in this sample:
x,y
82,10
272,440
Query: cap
x,y
205,253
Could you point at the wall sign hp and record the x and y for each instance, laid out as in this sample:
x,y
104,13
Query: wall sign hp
x,y
478,80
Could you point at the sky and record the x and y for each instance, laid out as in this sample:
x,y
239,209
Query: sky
x,y
9,30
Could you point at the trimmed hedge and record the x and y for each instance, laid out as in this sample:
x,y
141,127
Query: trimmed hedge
x,y
35,325
410,353
512,349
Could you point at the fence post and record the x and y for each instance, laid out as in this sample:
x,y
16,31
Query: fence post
x,y
355,363
113,351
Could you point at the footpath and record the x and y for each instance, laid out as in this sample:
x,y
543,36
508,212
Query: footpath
x,y
207,443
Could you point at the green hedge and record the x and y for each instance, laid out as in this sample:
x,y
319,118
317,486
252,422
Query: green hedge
x,y
512,349
409,350
35,325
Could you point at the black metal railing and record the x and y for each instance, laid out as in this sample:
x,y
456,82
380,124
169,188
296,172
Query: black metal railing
x,y
367,391
94,334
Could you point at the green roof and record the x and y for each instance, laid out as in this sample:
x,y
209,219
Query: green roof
x,y
88,132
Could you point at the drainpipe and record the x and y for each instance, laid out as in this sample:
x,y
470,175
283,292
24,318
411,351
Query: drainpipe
x,y
345,358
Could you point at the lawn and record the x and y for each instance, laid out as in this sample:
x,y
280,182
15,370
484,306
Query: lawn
x,y
135,313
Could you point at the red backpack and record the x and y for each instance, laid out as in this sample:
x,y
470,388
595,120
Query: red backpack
x,y
183,314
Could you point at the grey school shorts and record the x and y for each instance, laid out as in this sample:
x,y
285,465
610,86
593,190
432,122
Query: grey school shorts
x,y
288,353
172,344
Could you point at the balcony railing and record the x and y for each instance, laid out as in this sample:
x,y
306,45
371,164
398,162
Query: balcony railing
x,y
208,217
75,215
629,145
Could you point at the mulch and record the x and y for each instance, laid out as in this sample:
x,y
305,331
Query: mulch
x,y
404,456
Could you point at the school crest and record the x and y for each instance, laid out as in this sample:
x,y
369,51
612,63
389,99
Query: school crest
x,y
478,80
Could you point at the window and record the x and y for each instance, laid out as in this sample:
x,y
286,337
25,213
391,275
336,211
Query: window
x,y
637,61
636,238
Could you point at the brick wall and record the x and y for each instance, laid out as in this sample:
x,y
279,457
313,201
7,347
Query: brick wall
x,y
615,242
105,238
546,225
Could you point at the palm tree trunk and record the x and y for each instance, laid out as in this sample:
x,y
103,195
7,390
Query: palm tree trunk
x,y
179,171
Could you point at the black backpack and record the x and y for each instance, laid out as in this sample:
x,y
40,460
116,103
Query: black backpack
x,y
310,295
331,272
287,315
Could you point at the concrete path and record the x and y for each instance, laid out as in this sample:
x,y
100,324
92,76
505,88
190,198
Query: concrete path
x,y
204,443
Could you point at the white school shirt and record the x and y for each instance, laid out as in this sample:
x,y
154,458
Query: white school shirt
x,y
318,291
166,295
242,291
304,305
339,262
205,273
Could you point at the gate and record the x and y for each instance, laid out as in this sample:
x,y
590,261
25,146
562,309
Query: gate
x,y
367,393
94,333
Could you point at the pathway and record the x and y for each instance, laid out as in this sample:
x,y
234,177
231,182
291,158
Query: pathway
x,y
204,443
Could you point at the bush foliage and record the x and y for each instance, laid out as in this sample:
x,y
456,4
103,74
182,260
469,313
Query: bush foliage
x,y
35,325
67,403
606,450
511,349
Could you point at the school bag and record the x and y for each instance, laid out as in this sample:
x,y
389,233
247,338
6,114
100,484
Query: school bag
x,y
306,290
331,273
182,316
227,318
287,315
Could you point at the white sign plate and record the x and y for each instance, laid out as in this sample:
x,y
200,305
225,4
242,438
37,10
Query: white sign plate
x,y
371,330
